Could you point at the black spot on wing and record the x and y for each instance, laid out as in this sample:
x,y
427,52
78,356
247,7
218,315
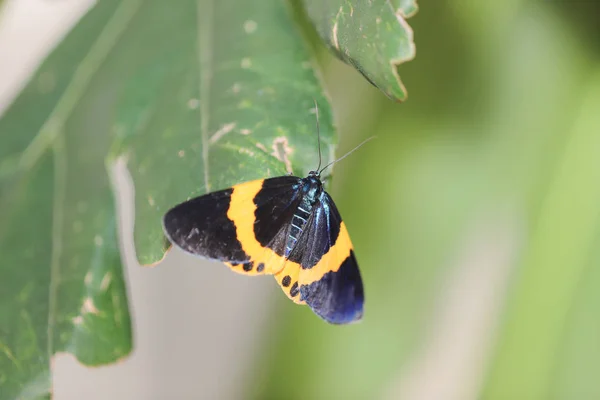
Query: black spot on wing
x,y
200,226
276,203
338,297
294,290
319,235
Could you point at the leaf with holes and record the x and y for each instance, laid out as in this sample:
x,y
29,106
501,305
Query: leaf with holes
x,y
372,36
191,98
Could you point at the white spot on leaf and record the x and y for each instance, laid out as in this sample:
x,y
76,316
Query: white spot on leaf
x,y
105,281
245,131
334,35
236,88
281,151
334,31
98,241
88,278
89,306
262,147
246,62
250,26
225,129
193,104
244,150
181,153
151,201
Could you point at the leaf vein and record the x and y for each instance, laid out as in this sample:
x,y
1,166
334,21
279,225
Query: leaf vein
x,y
204,14
49,135
84,73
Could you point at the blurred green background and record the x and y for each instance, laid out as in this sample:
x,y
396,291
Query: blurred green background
x,y
475,216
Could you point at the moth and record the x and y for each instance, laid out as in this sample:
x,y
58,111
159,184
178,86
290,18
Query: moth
x,y
284,226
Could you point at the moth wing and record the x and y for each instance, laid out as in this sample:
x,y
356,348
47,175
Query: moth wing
x,y
221,225
200,226
322,267
263,228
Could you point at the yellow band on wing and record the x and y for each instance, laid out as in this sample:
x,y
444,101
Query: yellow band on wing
x,y
241,213
331,261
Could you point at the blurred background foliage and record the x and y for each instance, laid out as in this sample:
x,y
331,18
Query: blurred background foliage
x,y
483,187
475,217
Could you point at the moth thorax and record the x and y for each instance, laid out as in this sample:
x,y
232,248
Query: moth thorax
x,y
311,188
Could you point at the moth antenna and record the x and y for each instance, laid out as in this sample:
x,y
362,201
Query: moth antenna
x,y
348,153
318,133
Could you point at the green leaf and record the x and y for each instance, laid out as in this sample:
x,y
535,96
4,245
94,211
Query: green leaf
x,y
60,271
372,36
193,98
213,95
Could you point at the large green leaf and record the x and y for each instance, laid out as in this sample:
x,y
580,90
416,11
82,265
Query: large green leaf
x,y
62,284
372,36
193,97
209,103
